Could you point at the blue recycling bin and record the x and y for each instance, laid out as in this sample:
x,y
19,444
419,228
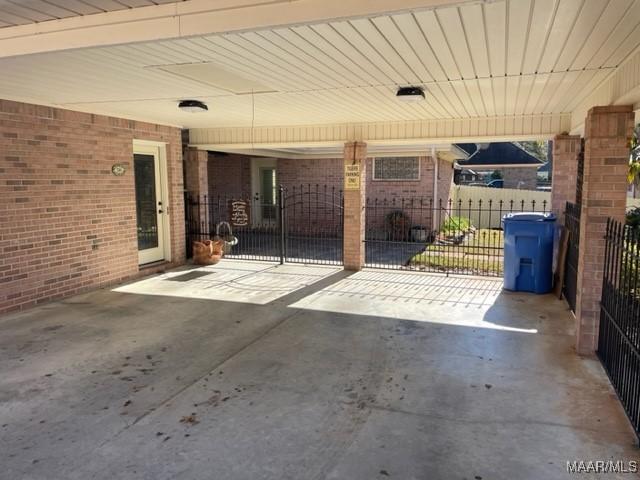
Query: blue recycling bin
x,y
528,251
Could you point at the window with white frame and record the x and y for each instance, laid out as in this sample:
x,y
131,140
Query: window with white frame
x,y
396,168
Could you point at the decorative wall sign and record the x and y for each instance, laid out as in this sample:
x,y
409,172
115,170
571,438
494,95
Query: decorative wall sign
x,y
352,177
239,213
118,169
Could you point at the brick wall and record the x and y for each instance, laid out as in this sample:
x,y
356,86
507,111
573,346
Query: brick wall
x,y
229,175
401,188
67,223
302,173
414,198
312,185
234,178
566,149
294,173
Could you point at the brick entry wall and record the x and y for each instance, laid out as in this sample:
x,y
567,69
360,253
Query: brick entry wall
x,y
417,195
389,189
329,172
67,223
294,173
229,175
301,176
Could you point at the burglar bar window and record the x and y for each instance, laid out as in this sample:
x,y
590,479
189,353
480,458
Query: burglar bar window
x,y
396,168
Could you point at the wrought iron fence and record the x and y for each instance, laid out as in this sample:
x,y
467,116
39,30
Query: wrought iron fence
x,y
301,224
460,237
570,282
580,174
619,336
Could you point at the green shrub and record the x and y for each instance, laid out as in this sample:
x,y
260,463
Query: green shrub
x,y
455,225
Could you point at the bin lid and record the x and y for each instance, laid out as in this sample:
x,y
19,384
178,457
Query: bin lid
x,y
529,217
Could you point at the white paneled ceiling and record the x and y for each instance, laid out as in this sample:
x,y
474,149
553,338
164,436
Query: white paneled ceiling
x,y
485,59
23,12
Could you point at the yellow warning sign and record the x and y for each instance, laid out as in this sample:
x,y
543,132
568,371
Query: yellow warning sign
x,y
352,177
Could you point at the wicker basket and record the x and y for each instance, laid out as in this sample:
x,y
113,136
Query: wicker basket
x,y
208,252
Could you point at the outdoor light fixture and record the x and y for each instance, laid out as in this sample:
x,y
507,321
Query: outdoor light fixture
x,y
193,106
410,94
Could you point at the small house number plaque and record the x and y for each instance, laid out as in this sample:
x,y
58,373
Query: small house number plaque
x,y
118,169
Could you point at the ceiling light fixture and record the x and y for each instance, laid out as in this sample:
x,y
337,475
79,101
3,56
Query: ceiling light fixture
x,y
410,94
192,106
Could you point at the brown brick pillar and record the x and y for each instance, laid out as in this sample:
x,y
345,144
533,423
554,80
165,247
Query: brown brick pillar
x,y
354,198
604,195
196,172
197,186
566,149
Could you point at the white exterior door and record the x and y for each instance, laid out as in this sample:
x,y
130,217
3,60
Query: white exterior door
x,y
265,191
151,206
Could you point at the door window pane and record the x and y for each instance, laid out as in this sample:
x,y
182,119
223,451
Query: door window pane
x,y
146,204
268,187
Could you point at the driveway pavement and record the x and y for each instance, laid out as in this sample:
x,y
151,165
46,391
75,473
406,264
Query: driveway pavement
x,y
255,371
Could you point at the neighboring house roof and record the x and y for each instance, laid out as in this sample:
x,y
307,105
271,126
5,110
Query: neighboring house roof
x,y
545,167
470,148
499,155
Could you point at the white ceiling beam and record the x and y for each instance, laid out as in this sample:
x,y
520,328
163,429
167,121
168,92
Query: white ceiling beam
x,y
622,87
491,129
335,150
187,19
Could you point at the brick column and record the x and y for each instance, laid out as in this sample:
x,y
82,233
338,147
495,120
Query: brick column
x,y
604,195
566,149
354,198
197,184
196,172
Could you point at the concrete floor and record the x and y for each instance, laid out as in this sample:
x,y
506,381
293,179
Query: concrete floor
x,y
253,371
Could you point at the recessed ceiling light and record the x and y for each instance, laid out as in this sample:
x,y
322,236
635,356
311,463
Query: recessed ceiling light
x,y
193,106
410,94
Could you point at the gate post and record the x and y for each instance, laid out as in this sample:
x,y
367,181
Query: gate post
x,y
566,150
604,195
355,154
282,220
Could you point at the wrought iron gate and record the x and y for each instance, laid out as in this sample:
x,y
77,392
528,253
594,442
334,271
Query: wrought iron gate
x,y
619,336
258,234
302,224
462,237
312,224
572,224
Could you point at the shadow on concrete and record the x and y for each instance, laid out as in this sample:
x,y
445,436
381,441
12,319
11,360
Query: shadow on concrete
x,y
232,280
453,300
